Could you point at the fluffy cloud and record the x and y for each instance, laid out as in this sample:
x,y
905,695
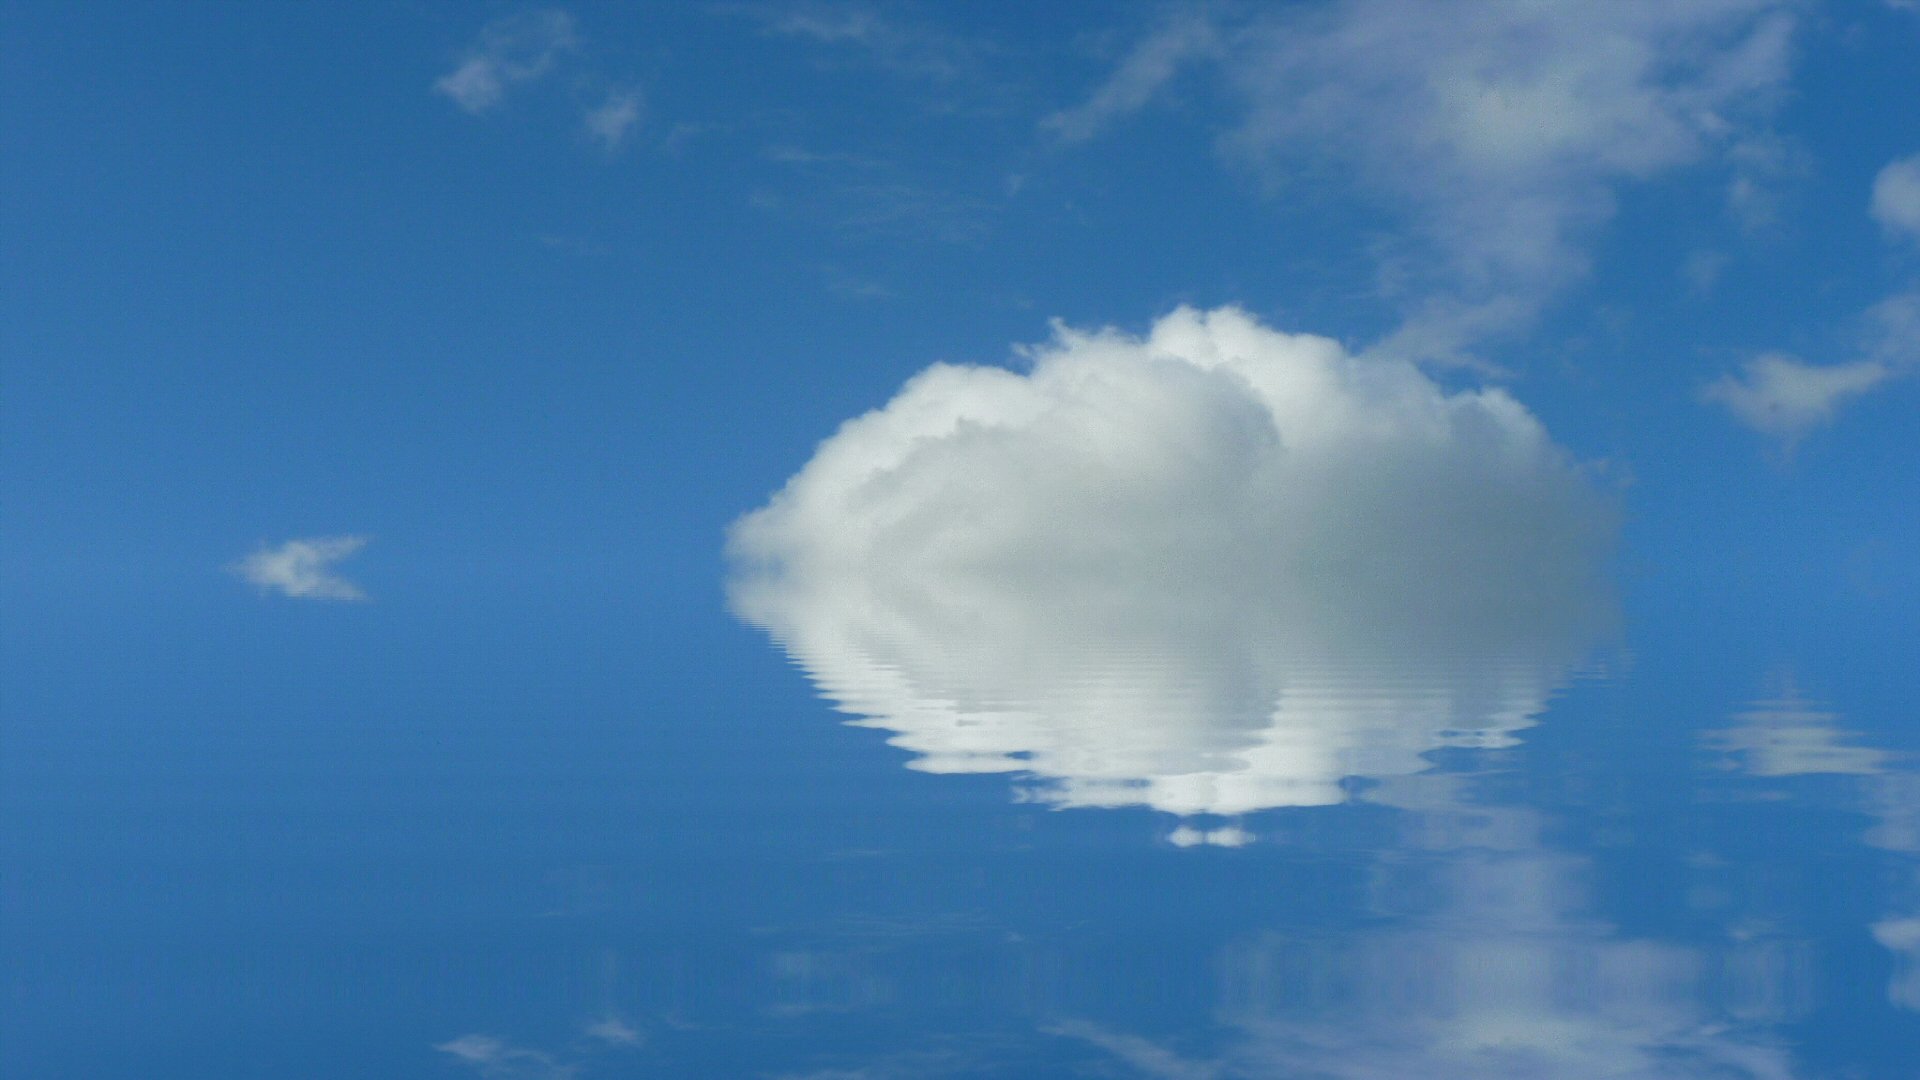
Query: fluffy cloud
x,y
303,568
1211,570
516,49
1501,130
1896,197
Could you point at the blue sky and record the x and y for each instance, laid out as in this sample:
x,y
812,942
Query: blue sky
x,y
273,273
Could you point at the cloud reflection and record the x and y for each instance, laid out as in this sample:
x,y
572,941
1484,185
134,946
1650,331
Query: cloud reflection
x,y
1485,958
1507,979
1788,735
1212,570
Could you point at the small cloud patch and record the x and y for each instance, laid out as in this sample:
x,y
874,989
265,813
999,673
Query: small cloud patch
x,y
510,51
1896,197
610,122
304,568
1785,397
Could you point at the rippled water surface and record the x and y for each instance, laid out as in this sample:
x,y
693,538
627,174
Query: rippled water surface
x,y
1675,850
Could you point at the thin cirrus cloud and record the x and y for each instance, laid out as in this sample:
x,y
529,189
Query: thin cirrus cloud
x,y
304,568
1210,570
510,51
1501,137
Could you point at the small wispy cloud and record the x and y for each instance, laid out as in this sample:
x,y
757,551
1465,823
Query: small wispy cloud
x,y
1764,166
1786,397
1188,35
615,1032
843,283
614,118
896,44
511,50
304,568
496,1059
1896,197
1702,270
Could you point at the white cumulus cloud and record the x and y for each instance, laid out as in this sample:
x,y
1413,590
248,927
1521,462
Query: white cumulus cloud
x,y
304,568
516,49
1214,569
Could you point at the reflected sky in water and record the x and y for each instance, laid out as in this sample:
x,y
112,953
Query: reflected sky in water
x,y
1689,859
